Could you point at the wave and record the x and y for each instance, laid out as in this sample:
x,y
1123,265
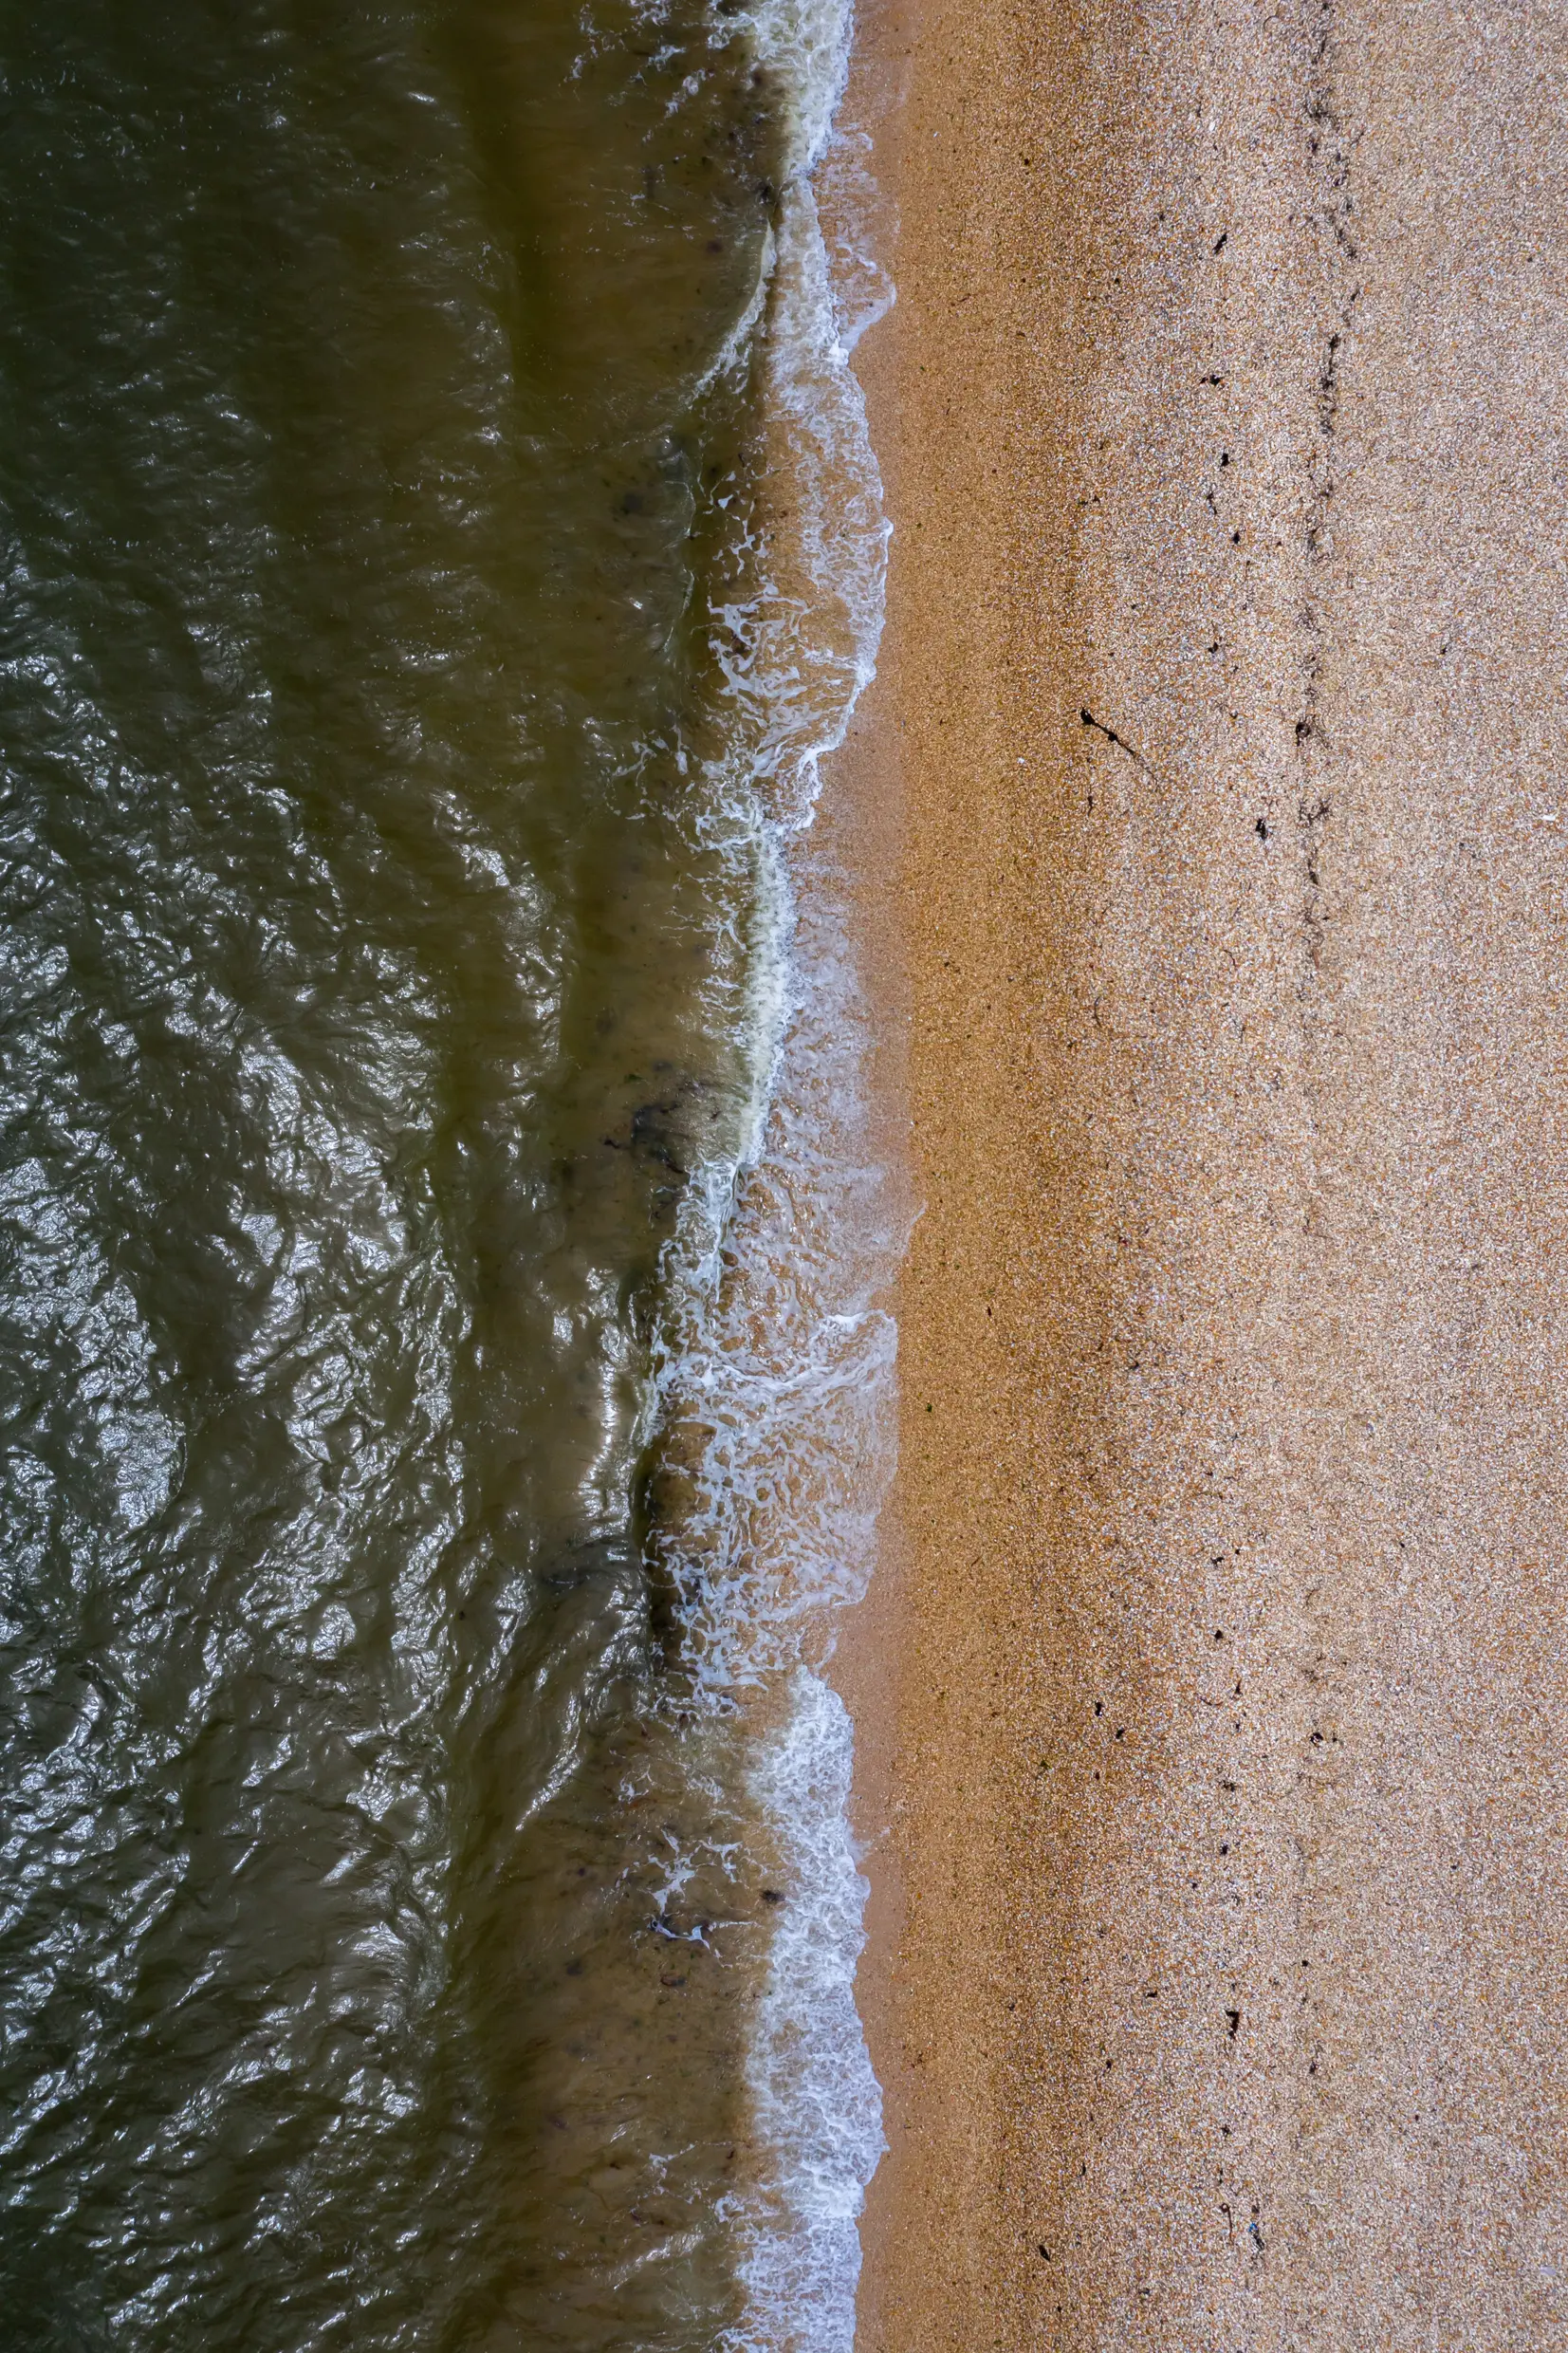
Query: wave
x,y
773,1396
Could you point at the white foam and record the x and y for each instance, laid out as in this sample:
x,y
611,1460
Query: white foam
x,y
776,1353
818,2104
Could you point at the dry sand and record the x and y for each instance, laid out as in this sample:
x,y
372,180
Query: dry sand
x,y
1222,1953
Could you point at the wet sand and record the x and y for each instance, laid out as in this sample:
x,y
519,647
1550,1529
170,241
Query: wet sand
x,y
1220,1972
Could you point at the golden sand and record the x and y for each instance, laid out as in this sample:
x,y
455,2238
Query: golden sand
x,y
1219,1975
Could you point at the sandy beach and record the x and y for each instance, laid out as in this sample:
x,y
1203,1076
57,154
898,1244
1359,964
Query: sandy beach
x,y
1219,1979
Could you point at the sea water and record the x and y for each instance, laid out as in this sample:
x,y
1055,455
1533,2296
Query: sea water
x,y
443,1385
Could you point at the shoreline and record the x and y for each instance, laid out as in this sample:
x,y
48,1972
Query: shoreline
x,y
1205,1704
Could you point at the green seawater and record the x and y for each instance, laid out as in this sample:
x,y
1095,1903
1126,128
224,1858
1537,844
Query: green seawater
x,y
377,433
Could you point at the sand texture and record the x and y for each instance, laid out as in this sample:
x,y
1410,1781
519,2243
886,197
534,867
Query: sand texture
x,y
1221,1984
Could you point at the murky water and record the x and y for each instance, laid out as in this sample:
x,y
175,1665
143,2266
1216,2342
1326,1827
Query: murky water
x,y
376,973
